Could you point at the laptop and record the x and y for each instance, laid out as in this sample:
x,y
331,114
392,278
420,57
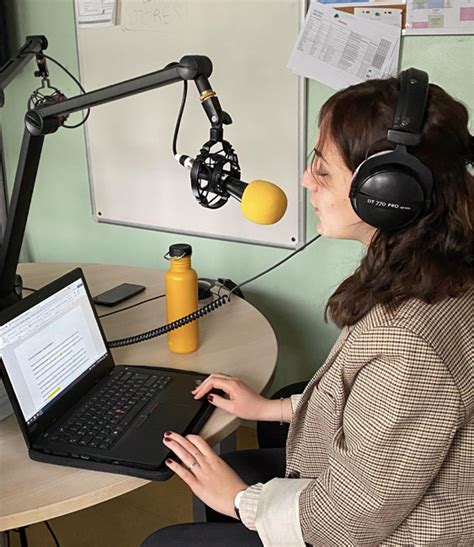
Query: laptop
x,y
73,404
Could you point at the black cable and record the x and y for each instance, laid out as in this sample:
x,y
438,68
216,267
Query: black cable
x,y
221,300
275,265
178,119
209,307
83,121
115,311
48,526
200,312
132,306
78,83
71,75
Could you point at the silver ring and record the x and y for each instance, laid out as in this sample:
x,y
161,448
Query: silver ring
x,y
192,465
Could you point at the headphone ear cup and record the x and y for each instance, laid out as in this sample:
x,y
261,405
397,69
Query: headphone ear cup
x,y
391,189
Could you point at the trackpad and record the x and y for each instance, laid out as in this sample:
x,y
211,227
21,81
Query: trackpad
x,y
144,441
171,417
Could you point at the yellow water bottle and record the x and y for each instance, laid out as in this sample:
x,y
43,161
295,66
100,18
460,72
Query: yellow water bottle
x,y
181,288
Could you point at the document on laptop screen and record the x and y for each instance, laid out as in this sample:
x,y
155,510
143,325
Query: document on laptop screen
x,y
49,346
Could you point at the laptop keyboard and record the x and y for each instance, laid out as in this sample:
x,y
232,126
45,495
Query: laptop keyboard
x,y
102,420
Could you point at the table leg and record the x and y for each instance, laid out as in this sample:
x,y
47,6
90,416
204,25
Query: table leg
x,y
229,444
23,537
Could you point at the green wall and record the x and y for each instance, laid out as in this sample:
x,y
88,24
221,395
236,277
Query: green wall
x,y
60,225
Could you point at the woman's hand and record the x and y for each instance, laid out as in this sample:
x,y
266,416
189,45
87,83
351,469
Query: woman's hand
x,y
242,401
208,476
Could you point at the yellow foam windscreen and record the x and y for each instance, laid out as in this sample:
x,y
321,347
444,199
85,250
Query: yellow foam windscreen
x,y
263,202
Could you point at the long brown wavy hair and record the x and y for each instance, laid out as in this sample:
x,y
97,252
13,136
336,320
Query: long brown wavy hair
x,y
432,259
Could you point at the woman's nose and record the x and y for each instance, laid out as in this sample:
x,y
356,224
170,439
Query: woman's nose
x,y
309,182
306,179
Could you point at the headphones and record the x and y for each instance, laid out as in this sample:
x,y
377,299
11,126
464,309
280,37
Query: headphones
x,y
392,189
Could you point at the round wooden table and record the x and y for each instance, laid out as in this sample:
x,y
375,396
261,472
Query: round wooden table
x,y
236,339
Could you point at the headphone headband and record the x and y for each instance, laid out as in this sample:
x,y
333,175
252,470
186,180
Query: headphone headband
x,y
410,109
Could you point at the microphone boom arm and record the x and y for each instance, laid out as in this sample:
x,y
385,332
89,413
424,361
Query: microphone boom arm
x,y
34,45
47,119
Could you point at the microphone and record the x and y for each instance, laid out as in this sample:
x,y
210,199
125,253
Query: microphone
x,y
262,202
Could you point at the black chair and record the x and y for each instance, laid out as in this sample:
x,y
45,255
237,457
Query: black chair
x,y
272,434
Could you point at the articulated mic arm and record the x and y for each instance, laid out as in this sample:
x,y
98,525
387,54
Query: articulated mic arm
x,y
48,118
33,46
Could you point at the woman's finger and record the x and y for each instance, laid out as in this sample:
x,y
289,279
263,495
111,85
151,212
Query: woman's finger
x,y
190,460
201,445
183,473
226,384
208,379
185,442
221,402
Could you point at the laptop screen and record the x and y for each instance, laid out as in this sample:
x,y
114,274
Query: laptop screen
x,y
48,348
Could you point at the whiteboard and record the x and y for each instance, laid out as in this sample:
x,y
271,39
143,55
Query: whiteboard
x,y
134,178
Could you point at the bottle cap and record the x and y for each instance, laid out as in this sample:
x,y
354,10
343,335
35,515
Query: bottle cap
x,y
179,250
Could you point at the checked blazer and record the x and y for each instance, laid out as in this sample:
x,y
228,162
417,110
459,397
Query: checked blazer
x,y
381,446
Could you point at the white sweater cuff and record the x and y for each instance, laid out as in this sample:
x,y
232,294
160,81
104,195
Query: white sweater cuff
x,y
295,399
249,504
272,509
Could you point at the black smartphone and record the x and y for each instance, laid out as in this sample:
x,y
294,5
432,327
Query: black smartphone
x,y
117,294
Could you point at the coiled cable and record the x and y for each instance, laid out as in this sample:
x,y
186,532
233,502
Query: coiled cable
x,y
201,312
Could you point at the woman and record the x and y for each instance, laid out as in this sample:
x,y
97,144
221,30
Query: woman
x,y
380,449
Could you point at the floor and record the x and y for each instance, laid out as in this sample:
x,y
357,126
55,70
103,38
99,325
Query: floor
x,y
124,521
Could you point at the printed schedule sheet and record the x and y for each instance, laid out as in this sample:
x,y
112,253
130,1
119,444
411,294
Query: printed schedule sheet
x,y
340,49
